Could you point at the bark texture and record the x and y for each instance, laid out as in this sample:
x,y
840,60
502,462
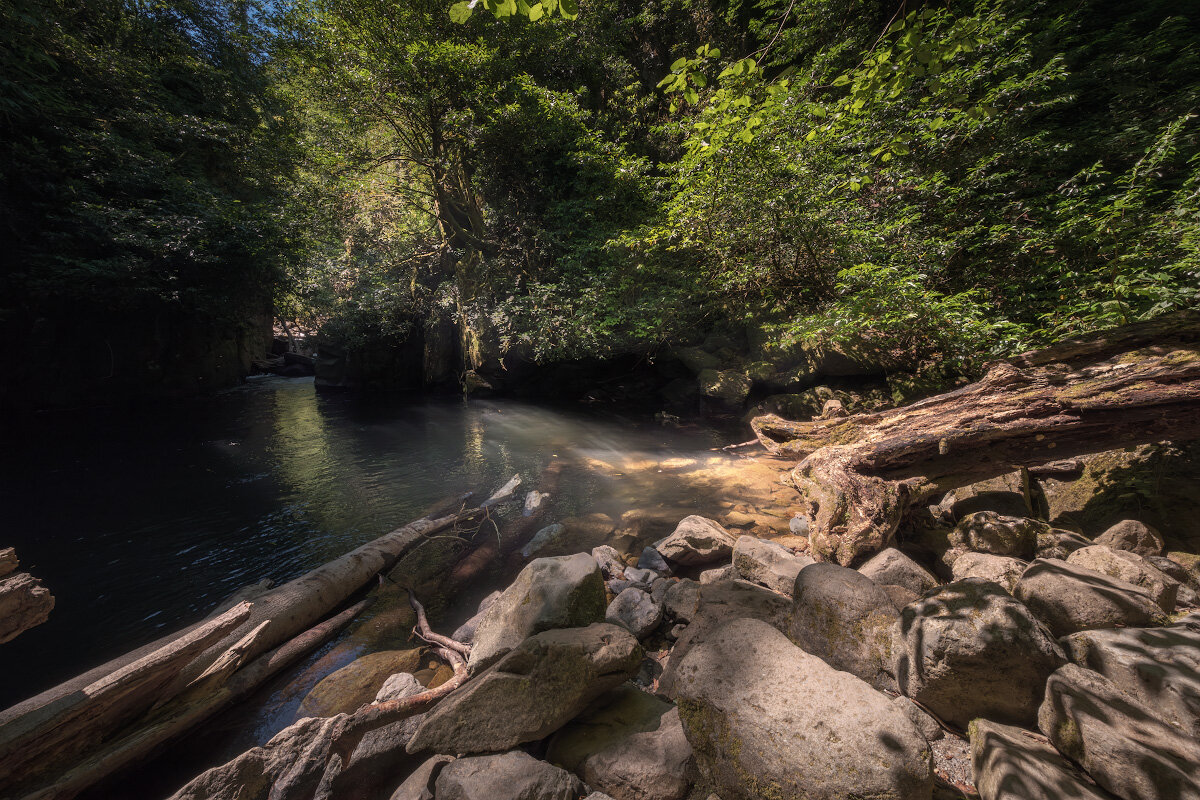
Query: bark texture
x,y
860,474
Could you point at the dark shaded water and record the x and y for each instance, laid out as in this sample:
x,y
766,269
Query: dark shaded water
x,y
141,525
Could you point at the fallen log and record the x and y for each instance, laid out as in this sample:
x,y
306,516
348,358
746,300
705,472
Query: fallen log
x,y
275,619
24,602
861,474
316,753
183,713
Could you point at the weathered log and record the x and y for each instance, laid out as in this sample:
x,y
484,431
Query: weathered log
x,y
277,617
860,474
8,561
24,602
47,734
182,714
318,752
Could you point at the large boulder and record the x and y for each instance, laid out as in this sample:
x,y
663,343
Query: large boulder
x,y
509,776
629,745
716,604
531,692
845,619
767,720
465,633
1125,745
767,563
1003,570
970,650
419,785
1160,667
1131,568
1013,764
892,567
1010,504
1136,537
1071,598
561,592
636,611
379,759
728,387
1059,543
989,532
696,541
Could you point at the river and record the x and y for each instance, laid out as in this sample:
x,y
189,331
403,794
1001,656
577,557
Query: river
x,y
140,524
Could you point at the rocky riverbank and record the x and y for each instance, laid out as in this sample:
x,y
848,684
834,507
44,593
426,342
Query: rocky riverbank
x,y
992,653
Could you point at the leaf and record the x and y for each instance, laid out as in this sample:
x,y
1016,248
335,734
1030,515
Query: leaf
x,y
568,8
460,12
678,64
841,80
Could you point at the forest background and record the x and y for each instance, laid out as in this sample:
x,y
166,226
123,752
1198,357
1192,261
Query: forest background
x,y
938,182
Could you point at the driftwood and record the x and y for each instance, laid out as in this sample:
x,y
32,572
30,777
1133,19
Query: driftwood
x,y
24,601
314,754
280,624
860,474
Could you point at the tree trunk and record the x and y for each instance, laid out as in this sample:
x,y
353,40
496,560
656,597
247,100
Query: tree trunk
x,y
860,474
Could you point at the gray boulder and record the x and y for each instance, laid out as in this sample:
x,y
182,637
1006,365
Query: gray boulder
x,y
890,566
1059,543
1011,504
1071,598
1136,537
465,633
767,563
845,619
635,611
652,559
696,541
1124,745
1013,764
716,604
419,785
989,532
609,561
725,573
562,592
1131,568
682,601
1003,570
1159,667
767,720
900,595
970,650
509,776
531,692
924,722
630,745
379,759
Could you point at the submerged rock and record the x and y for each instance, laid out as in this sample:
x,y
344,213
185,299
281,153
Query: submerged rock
x,y
357,683
767,720
543,538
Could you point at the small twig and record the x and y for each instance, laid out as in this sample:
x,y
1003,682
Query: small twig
x,y
425,632
737,446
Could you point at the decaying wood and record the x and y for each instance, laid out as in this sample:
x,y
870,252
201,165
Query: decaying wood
x,y
24,601
860,474
8,561
46,735
239,656
183,713
321,751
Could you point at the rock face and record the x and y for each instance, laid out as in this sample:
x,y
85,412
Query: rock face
x,y
997,569
1160,667
419,785
767,564
636,611
1136,537
1131,568
379,759
890,566
845,619
510,776
726,386
767,720
1071,598
970,650
696,541
629,745
343,691
716,604
465,633
562,592
1059,543
531,692
1012,764
1121,743
989,532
